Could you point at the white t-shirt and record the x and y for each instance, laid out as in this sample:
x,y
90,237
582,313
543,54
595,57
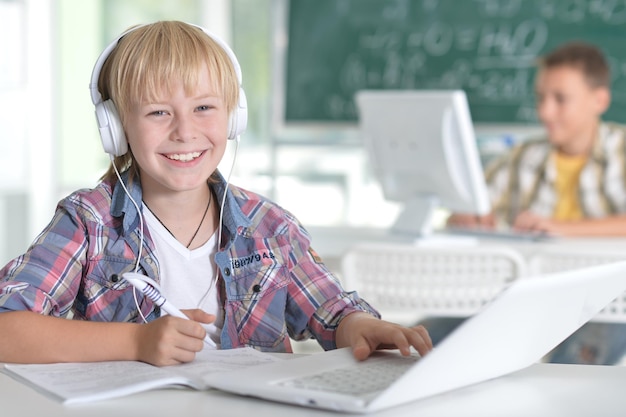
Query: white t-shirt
x,y
187,275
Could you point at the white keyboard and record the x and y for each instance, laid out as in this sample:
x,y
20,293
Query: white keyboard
x,y
361,379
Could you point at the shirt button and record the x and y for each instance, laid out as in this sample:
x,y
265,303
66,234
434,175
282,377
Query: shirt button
x,y
115,278
227,272
256,288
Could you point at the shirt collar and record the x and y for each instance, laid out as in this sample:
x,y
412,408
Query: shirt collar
x,y
233,215
597,152
121,204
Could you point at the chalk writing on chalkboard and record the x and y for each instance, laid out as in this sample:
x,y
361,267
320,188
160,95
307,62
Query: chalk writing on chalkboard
x,y
486,47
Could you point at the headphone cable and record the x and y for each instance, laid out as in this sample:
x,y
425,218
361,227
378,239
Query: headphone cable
x,y
219,227
141,233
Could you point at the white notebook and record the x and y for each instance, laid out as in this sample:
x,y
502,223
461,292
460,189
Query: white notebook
x,y
515,330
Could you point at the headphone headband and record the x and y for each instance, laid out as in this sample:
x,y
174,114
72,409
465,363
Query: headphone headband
x,y
109,124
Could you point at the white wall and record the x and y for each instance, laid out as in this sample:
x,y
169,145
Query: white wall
x,y
26,122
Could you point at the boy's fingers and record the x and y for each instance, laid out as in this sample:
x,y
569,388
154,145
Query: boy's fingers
x,y
420,340
361,349
200,316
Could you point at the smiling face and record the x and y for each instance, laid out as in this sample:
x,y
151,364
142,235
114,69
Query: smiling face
x,y
569,107
186,65
179,137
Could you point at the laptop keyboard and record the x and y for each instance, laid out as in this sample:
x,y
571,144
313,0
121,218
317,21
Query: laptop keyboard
x,y
362,378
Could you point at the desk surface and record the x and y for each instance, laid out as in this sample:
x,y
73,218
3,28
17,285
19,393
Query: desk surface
x,y
334,240
331,243
548,390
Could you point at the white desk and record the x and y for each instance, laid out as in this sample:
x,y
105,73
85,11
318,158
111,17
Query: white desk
x,y
541,390
332,242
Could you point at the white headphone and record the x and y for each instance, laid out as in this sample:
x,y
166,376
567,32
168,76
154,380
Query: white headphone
x,y
109,124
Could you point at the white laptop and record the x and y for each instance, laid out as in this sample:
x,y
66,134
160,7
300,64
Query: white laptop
x,y
524,323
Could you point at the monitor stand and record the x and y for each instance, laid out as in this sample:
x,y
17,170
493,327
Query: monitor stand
x,y
417,217
416,220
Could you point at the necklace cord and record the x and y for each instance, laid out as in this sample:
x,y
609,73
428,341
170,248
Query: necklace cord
x,y
206,210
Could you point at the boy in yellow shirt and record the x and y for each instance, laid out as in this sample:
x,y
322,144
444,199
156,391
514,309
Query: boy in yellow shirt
x,y
570,183
573,181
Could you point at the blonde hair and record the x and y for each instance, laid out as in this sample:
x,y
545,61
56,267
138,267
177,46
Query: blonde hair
x,y
152,58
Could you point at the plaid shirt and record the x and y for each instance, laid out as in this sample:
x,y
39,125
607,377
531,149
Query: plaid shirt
x,y
524,178
272,285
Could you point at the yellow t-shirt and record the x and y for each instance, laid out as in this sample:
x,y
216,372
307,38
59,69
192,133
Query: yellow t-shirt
x,y
568,170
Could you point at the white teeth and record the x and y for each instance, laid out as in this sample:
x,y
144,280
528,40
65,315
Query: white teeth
x,y
184,156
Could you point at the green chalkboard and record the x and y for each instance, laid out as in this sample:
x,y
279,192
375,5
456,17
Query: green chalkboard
x,y
486,47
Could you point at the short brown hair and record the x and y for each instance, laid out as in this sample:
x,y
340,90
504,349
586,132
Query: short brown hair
x,y
581,55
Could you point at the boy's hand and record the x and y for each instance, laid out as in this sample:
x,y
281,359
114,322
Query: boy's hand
x,y
365,334
471,221
171,340
528,221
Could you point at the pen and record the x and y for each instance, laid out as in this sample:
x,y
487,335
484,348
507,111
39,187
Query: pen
x,y
150,289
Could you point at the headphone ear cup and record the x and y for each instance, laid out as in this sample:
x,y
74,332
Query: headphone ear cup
x,y
111,130
109,124
239,117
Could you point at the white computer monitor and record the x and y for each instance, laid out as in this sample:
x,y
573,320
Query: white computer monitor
x,y
424,153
